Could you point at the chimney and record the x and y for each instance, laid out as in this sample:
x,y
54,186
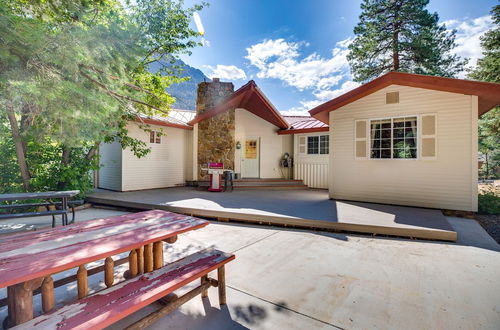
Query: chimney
x,y
212,93
216,135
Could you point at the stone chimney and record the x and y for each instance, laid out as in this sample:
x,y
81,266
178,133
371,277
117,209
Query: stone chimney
x,y
216,142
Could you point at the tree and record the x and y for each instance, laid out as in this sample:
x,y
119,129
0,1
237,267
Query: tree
x,y
488,69
401,35
73,75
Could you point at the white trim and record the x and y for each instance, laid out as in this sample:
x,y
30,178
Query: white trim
x,y
474,152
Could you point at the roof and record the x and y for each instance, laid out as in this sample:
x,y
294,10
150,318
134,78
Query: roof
x,y
172,120
488,93
303,124
251,98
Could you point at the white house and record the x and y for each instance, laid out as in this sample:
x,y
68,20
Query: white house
x,y
401,139
241,129
407,139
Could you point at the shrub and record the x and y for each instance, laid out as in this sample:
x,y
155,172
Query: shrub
x,y
489,203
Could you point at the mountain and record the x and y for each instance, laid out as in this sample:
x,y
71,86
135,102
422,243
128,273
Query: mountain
x,y
185,92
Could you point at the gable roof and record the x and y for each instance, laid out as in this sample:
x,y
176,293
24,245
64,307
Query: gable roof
x,y
303,124
250,98
488,93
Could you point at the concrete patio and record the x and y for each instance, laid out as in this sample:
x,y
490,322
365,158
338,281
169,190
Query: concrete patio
x,y
309,208
298,279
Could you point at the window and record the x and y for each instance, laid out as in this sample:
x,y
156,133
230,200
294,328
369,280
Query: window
x,y
393,138
154,137
318,145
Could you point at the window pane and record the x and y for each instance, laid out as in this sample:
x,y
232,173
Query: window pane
x,y
313,144
375,153
385,143
158,138
386,134
399,143
152,137
411,142
324,144
385,153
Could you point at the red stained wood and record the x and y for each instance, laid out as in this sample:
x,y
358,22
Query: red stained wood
x,y
70,246
112,304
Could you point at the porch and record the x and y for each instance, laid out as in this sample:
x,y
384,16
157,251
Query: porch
x,y
309,208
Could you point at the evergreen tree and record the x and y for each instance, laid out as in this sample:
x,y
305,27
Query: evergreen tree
x,y
488,69
401,35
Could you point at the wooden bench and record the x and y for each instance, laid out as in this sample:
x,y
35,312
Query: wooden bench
x,y
48,195
53,213
110,305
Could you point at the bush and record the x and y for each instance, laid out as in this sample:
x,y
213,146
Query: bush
x,y
489,203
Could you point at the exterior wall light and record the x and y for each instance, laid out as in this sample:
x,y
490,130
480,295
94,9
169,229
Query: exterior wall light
x,y
238,145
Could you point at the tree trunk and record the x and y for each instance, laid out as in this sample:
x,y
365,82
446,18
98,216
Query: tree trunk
x,y
20,155
92,151
66,152
395,52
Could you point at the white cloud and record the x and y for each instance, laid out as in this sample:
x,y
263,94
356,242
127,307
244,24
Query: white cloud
x,y
322,96
280,59
205,42
468,36
296,111
227,72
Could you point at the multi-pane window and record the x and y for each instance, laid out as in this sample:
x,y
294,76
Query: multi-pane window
x,y
394,138
154,137
318,145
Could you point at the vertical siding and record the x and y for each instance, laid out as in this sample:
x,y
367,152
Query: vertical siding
x,y
110,172
312,169
272,145
163,167
441,183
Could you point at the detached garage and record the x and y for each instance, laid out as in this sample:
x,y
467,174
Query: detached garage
x,y
407,139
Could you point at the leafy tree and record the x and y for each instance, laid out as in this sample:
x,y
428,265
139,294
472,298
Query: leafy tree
x,y
73,73
401,35
488,69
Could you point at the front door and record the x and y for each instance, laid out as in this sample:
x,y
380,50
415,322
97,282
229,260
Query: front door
x,y
250,159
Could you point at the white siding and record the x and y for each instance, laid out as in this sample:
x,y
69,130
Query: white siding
x,y
312,169
272,145
110,172
446,182
163,167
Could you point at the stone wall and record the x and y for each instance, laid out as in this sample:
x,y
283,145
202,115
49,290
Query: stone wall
x,y
216,141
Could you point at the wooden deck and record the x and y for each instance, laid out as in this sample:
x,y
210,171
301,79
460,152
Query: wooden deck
x,y
300,208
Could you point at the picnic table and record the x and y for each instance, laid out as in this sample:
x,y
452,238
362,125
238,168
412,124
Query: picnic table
x,y
64,196
28,260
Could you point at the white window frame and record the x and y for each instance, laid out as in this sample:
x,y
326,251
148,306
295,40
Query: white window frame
x,y
319,144
156,135
369,138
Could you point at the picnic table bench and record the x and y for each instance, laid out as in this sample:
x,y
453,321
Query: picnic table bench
x,y
49,196
28,260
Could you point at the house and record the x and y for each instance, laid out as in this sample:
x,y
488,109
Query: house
x,y
400,139
407,139
241,129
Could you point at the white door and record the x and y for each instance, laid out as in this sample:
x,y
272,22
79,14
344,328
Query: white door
x,y
250,158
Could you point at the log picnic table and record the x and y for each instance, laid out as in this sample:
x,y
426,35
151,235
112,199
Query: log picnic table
x,y
28,260
47,195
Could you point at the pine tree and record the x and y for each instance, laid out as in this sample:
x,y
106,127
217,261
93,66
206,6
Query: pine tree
x,y
401,35
488,69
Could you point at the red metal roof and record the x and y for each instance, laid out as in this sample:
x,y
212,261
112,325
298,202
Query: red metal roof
x,y
248,97
303,124
488,93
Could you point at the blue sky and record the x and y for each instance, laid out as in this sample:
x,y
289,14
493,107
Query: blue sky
x,y
296,50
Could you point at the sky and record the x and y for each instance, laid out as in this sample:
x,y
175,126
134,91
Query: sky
x,y
295,50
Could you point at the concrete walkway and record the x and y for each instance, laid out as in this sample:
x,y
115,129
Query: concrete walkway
x,y
306,208
295,279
